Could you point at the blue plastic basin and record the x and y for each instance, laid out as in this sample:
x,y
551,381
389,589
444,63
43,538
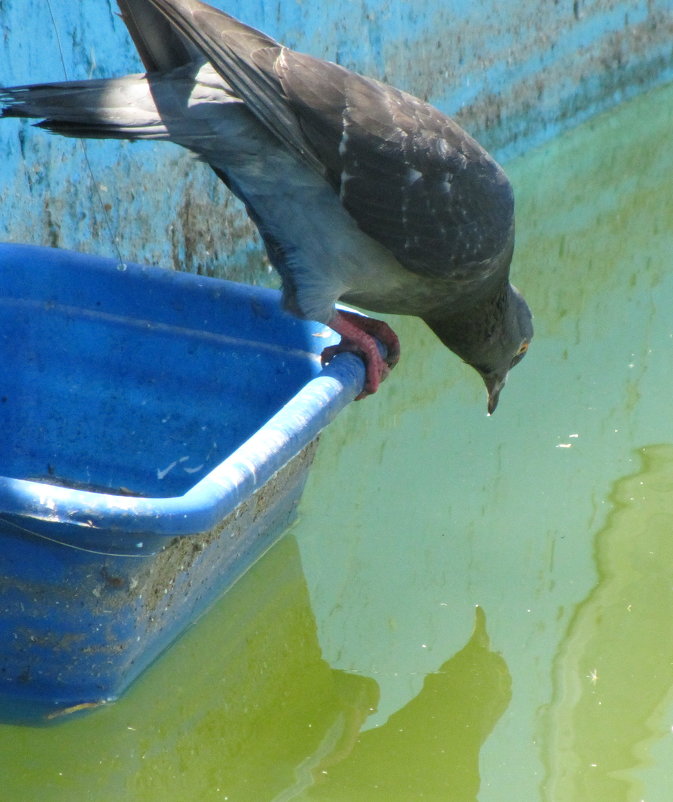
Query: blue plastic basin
x,y
155,432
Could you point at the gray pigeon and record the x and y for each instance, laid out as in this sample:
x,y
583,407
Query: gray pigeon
x,y
361,192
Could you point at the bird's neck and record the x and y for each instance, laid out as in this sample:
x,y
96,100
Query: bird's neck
x,y
466,330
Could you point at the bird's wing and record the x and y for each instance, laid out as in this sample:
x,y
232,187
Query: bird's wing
x,y
244,57
409,176
160,45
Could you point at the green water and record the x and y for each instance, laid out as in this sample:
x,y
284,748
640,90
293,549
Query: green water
x,y
468,607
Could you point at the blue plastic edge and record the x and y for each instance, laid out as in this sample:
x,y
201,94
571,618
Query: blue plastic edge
x,y
217,494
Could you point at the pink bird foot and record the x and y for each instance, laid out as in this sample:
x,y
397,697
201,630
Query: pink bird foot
x,y
359,334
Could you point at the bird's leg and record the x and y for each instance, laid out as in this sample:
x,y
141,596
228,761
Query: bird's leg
x,y
360,334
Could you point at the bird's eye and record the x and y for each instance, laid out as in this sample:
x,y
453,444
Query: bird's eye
x,y
519,354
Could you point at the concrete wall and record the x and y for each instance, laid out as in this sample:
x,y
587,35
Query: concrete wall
x,y
514,72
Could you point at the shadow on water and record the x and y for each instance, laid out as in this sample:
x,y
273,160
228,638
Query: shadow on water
x,y
611,703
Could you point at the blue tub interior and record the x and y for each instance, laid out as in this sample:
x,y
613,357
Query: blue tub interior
x,y
135,380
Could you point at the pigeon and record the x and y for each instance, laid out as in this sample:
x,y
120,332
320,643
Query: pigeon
x,y
362,193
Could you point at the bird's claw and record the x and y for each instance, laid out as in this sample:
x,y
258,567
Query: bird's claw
x,y
362,335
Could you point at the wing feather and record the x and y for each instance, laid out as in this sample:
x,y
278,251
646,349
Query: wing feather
x,y
245,58
409,176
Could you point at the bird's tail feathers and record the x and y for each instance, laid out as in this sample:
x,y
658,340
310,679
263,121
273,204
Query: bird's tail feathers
x,y
99,109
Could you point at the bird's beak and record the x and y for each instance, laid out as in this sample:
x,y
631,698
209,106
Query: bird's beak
x,y
494,385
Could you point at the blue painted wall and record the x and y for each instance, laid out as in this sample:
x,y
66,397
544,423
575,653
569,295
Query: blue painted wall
x,y
514,72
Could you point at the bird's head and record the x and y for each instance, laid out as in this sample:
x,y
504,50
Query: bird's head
x,y
493,337
504,347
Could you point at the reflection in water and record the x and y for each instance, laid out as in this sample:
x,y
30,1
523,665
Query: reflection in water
x,y
268,719
430,748
614,670
271,709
